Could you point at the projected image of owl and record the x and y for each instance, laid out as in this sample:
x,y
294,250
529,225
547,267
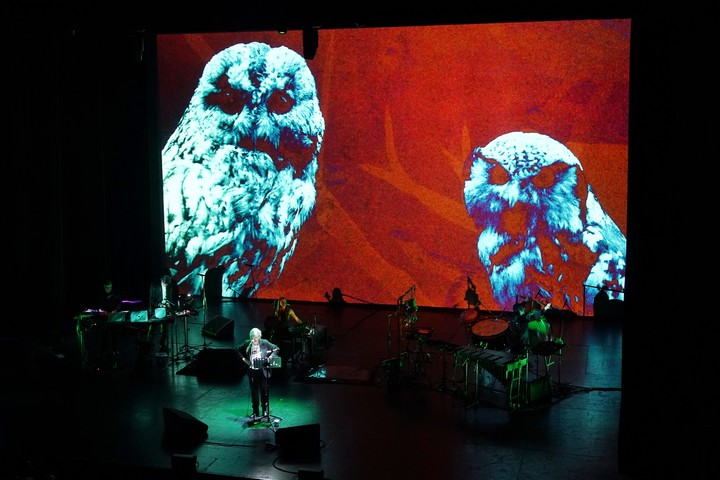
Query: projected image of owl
x,y
543,232
239,170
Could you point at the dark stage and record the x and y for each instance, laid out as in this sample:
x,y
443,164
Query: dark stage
x,y
356,400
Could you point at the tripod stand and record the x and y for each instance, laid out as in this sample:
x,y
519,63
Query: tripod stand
x,y
268,420
205,308
185,351
442,385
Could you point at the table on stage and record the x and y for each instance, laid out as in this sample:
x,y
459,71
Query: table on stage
x,y
112,323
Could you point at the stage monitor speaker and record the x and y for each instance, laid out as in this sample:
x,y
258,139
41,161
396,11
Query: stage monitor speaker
x,y
183,465
219,327
183,428
299,443
310,475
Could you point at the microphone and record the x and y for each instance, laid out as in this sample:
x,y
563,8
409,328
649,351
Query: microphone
x,y
201,274
327,296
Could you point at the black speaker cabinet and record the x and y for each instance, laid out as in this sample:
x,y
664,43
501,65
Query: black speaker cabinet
x,y
181,427
219,327
299,443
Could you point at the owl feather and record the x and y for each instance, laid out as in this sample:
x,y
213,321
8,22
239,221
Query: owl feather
x,y
542,229
239,170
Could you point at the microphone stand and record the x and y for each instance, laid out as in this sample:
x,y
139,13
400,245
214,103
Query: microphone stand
x,y
389,336
205,345
400,319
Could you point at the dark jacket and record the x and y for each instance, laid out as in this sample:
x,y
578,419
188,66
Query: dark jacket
x,y
156,296
267,349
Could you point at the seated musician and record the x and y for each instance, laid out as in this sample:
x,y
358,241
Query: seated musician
x,y
280,323
528,328
518,328
108,300
284,326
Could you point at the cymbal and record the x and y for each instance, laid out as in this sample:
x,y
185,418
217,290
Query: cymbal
x,y
468,316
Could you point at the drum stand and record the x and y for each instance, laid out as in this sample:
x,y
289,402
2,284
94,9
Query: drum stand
x,y
442,385
468,318
184,352
420,357
477,380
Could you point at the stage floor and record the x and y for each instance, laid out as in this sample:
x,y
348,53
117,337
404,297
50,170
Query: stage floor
x,y
379,398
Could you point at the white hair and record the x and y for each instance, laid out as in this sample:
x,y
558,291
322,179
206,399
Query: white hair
x,y
255,331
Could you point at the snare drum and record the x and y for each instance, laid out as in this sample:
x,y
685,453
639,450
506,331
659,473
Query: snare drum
x,y
491,333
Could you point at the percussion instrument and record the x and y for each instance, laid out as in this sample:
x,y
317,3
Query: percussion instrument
x,y
506,367
420,333
411,305
468,316
410,320
491,331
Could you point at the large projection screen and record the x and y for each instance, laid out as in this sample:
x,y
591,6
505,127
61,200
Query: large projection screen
x,y
454,165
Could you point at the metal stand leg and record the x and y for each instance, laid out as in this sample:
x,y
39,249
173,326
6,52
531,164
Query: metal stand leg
x,y
477,381
514,375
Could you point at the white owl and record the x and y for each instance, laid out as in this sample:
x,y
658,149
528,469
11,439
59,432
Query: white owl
x,y
239,170
542,229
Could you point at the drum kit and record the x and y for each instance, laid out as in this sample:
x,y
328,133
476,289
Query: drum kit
x,y
525,331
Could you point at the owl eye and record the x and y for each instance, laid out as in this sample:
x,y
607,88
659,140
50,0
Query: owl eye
x,y
548,176
497,175
227,98
280,102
